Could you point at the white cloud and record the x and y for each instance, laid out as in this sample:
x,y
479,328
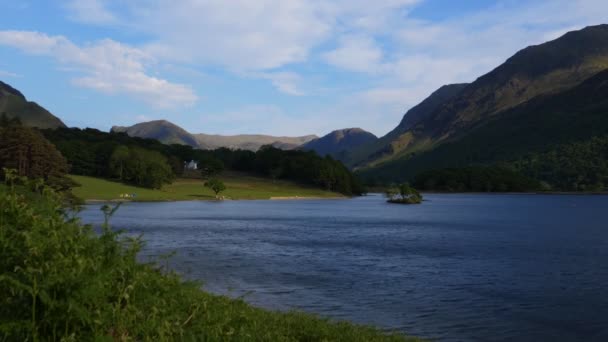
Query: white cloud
x,y
90,11
356,53
285,82
241,35
106,66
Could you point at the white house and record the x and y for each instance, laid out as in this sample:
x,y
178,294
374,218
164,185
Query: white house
x,y
192,165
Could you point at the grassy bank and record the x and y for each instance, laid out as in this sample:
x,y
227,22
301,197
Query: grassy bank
x,y
238,187
62,282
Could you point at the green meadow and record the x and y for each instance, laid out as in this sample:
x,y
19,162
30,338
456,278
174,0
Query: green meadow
x,y
238,187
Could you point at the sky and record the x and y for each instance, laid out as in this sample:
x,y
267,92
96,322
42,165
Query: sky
x,y
279,67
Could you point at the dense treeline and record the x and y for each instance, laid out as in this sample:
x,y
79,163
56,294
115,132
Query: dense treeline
x,y
94,153
475,179
304,167
146,162
27,151
579,166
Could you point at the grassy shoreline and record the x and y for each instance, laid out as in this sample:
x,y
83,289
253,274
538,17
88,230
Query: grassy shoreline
x,y
239,187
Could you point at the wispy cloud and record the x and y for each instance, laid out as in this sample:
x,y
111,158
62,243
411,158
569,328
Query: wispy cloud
x,y
90,12
4,73
106,66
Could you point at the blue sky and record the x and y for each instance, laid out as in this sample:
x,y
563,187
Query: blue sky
x,y
281,67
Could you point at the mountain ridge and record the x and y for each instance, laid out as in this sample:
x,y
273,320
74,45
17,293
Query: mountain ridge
x,y
14,104
537,70
170,133
338,142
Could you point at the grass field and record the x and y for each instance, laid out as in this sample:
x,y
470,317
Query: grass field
x,y
237,187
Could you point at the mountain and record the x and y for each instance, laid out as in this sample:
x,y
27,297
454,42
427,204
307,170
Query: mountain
x,y
170,133
576,115
536,73
161,130
250,142
14,104
338,142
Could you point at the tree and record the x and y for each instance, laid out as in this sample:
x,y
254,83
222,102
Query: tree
x,y
215,185
407,192
390,193
31,155
118,161
211,167
147,168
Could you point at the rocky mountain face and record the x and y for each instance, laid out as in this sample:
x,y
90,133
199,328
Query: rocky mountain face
x,y
14,104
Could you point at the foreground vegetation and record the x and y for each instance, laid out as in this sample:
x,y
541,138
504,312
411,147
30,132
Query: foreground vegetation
x,y
238,186
61,281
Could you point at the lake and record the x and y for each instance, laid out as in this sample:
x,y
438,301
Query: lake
x,y
457,267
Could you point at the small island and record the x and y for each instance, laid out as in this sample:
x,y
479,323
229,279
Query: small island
x,y
403,194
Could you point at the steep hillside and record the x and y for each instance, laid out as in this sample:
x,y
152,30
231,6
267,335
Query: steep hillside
x,y
539,70
161,130
394,140
537,126
339,141
14,104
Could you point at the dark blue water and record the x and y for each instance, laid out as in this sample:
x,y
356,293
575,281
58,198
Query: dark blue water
x,y
457,267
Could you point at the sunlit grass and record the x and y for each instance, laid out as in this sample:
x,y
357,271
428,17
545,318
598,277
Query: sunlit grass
x,y
238,187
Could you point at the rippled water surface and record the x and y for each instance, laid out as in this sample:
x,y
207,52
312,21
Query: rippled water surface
x,y
457,267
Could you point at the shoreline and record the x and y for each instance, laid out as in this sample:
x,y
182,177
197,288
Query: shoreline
x,y
277,198
573,193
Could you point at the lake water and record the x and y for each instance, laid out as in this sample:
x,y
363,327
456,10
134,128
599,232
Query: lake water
x,y
456,268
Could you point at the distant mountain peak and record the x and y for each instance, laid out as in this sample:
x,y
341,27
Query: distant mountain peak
x,y
337,143
7,89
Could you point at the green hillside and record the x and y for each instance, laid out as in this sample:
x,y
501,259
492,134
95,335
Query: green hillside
x,y
538,126
388,145
14,104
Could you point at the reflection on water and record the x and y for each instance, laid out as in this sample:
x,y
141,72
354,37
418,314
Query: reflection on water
x,y
458,267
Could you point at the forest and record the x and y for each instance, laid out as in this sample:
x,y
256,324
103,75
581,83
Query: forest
x,y
149,163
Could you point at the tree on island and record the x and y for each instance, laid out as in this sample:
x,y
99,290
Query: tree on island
x,y
216,186
403,194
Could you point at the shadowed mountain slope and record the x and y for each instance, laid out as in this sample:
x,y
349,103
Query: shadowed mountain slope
x,y
14,104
